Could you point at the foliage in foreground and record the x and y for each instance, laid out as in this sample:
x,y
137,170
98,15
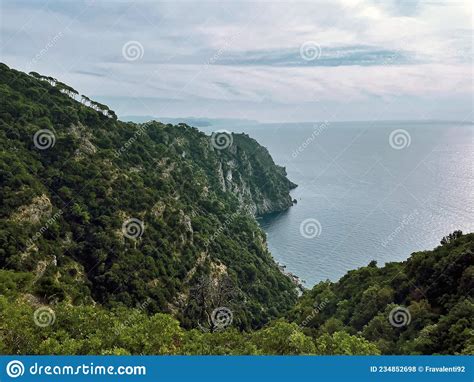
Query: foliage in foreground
x,y
352,316
121,331
423,305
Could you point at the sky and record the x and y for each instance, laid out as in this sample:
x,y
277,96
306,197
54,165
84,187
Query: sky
x,y
268,61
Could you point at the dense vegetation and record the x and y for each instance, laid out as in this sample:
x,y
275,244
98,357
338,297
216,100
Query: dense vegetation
x,y
352,316
73,281
431,292
94,330
67,194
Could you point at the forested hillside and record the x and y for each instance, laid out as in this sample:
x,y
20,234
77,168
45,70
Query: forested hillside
x,y
101,211
420,306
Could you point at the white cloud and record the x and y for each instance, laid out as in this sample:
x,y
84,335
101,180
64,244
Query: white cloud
x,y
180,38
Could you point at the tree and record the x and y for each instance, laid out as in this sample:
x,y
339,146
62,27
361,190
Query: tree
x,y
282,338
451,237
208,296
342,343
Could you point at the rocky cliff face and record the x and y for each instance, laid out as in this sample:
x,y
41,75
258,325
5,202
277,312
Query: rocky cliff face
x,y
248,171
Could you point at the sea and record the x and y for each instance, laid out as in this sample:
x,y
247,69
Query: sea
x,y
366,191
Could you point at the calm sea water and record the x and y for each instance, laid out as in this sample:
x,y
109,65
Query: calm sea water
x,y
367,191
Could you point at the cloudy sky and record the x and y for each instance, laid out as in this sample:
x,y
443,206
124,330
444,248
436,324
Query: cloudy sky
x,y
270,61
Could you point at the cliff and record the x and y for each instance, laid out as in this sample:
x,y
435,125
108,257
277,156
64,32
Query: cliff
x,y
102,211
247,170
